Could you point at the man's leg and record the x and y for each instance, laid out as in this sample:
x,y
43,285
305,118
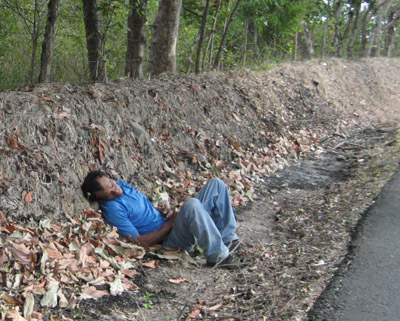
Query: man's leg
x,y
192,224
215,199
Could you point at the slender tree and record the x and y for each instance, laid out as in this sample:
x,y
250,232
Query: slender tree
x,y
162,53
95,41
373,7
136,39
373,47
306,45
353,32
32,20
217,62
210,42
389,29
202,34
48,41
337,10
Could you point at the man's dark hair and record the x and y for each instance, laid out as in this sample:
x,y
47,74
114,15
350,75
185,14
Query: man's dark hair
x,y
91,185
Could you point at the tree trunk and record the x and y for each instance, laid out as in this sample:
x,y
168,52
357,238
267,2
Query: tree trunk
x,y
245,39
344,36
353,33
48,42
162,55
35,34
190,57
306,44
255,43
210,43
325,35
136,39
373,47
202,34
366,19
95,41
364,39
337,14
389,33
217,62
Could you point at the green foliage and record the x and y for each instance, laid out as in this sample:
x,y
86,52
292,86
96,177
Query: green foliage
x,y
147,300
272,29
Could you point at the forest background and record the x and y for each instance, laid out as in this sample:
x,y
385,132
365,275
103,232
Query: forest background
x,y
100,40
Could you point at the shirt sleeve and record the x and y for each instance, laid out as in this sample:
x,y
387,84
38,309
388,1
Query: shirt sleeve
x,y
118,217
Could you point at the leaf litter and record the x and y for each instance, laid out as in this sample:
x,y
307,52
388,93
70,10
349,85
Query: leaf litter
x,y
168,136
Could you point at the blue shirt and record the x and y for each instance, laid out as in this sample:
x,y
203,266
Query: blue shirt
x,y
132,213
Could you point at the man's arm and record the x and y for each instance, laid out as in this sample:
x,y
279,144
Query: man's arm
x,y
157,236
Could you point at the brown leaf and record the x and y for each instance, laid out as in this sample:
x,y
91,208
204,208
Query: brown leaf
x,y
178,281
101,151
3,257
151,264
21,253
13,143
195,313
92,292
36,316
128,284
235,144
27,196
2,217
54,254
13,315
130,273
10,299
63,115
90,213
84,252
62,180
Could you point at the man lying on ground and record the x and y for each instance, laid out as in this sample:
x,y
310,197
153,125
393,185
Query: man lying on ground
x,y
207,219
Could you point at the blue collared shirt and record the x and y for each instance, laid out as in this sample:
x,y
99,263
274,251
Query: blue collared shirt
x,y
132,213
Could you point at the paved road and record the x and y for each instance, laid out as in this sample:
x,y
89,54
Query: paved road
x,y
369,290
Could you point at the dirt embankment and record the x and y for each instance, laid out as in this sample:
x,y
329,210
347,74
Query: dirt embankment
x,y
214,124
167,136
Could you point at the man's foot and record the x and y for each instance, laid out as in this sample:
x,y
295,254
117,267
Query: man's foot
x,y
231,262
234,245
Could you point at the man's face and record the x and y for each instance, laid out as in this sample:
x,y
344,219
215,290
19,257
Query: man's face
x,y
111,189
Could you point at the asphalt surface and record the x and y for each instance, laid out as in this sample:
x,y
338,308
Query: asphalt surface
x,y
367,288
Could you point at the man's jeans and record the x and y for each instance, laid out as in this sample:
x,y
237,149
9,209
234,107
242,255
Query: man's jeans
x,y
208,220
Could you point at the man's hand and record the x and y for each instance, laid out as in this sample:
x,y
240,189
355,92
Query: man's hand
x,y
157,236
168,213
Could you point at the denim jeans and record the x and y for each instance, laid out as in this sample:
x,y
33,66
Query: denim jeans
x,y
208,220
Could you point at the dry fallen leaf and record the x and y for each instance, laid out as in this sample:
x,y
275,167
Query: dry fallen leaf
x,y
13,315
50,297
130,273
14,144
21,253
151,264
195,313
2,217
178,281
116,287
92,293
28,305
10,299
27,196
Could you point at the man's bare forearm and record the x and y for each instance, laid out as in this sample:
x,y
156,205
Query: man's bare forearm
x,y
155,237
